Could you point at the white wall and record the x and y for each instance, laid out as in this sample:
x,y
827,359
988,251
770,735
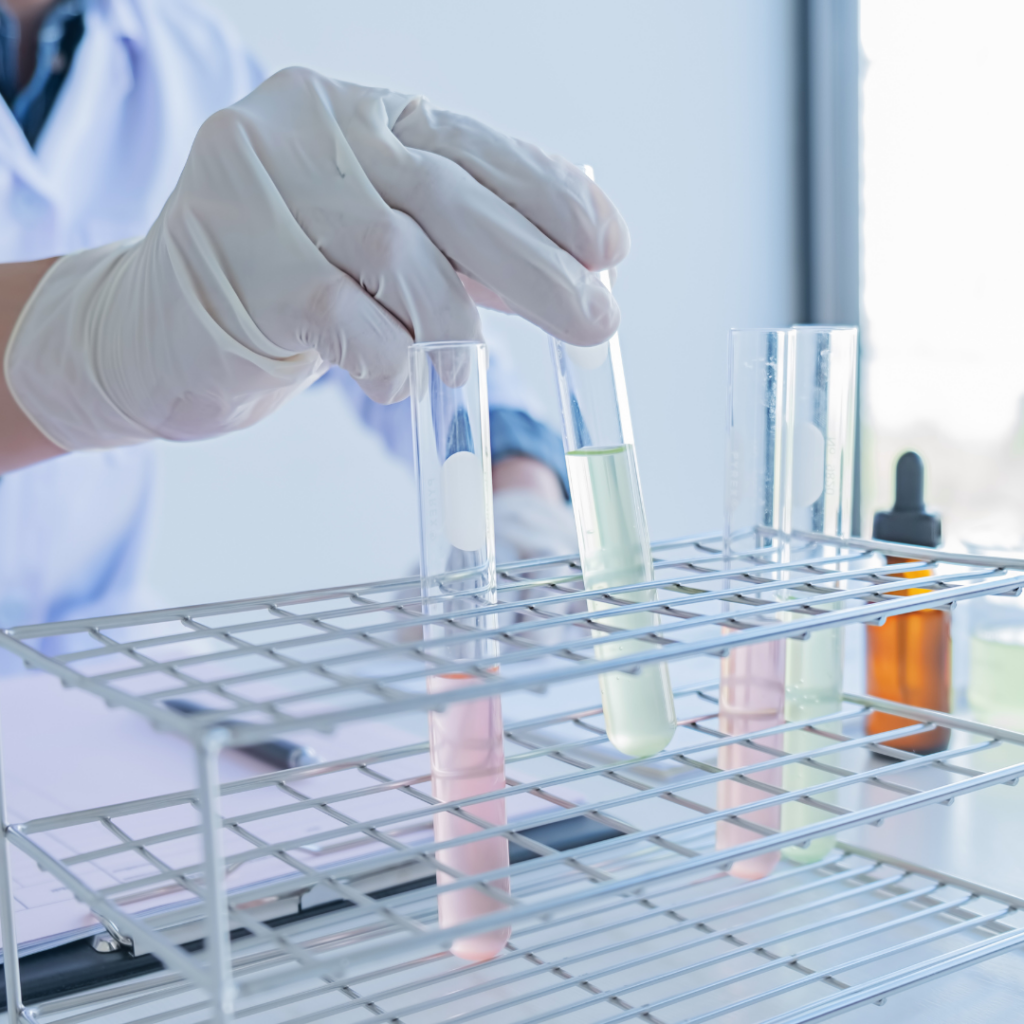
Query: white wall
x,y
684,107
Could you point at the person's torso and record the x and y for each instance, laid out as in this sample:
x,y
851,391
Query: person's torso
x,y
143,78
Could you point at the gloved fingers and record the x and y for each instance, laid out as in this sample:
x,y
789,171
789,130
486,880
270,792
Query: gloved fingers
x,y
393,260
483,296
352,330
549,191
297,126
490,242
480,234
452,365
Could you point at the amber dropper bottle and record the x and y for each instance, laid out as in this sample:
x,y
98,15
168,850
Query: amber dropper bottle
x,y
908,657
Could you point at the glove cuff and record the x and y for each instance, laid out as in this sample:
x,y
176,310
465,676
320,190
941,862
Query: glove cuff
x,y
108,353
50,363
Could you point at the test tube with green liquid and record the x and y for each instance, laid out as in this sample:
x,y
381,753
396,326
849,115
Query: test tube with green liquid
x,y
611,528
825,381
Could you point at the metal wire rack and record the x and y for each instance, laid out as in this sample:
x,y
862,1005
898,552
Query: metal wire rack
x,y
310,894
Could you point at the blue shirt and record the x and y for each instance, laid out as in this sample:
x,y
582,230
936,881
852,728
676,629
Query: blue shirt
x,y
59,36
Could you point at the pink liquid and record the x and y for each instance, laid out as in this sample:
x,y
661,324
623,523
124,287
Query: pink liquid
x,y
467,759
751,697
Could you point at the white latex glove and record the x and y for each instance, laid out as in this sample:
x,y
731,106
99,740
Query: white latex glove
x,y
528,525
315,222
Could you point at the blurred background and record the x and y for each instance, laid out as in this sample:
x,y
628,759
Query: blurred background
x,y
779,161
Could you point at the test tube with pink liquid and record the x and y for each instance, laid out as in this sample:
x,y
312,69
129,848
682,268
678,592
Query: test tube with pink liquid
x,y
750,698
451,436
758,488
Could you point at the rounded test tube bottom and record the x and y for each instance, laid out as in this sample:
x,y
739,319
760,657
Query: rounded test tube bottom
x,y
814,688
639,709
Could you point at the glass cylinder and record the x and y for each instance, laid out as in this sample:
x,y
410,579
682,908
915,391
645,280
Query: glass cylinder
x,y
824,419
451,439
824,422
758,489
759,447
611,528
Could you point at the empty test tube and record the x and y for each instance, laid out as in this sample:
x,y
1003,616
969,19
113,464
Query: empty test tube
x,y
611,528
448,386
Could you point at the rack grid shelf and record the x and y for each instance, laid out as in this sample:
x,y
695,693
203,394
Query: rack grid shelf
x,y
324,874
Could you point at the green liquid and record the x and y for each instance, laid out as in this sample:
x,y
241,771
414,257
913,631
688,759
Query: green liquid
x,y
996,689
814,686
639,710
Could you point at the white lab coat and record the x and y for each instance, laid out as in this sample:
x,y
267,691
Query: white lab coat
x,y
145,76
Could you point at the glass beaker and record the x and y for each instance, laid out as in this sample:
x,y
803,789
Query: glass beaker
x,y
611,527
451,440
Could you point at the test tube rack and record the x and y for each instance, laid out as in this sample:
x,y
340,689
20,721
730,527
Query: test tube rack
x,y
641,922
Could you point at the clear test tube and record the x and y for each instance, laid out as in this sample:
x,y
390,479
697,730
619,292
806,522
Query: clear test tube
x,y
757,493
825,382
451,435
611,528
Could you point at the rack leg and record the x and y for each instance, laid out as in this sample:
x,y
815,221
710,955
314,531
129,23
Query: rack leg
x,y
12,969
218,941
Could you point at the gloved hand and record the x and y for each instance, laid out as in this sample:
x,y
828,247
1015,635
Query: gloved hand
x,y
315,222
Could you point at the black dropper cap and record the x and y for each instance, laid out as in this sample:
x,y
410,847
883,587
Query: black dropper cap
x,y
909,522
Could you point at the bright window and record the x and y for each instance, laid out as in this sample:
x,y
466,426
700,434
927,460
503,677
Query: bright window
x,y
943,250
